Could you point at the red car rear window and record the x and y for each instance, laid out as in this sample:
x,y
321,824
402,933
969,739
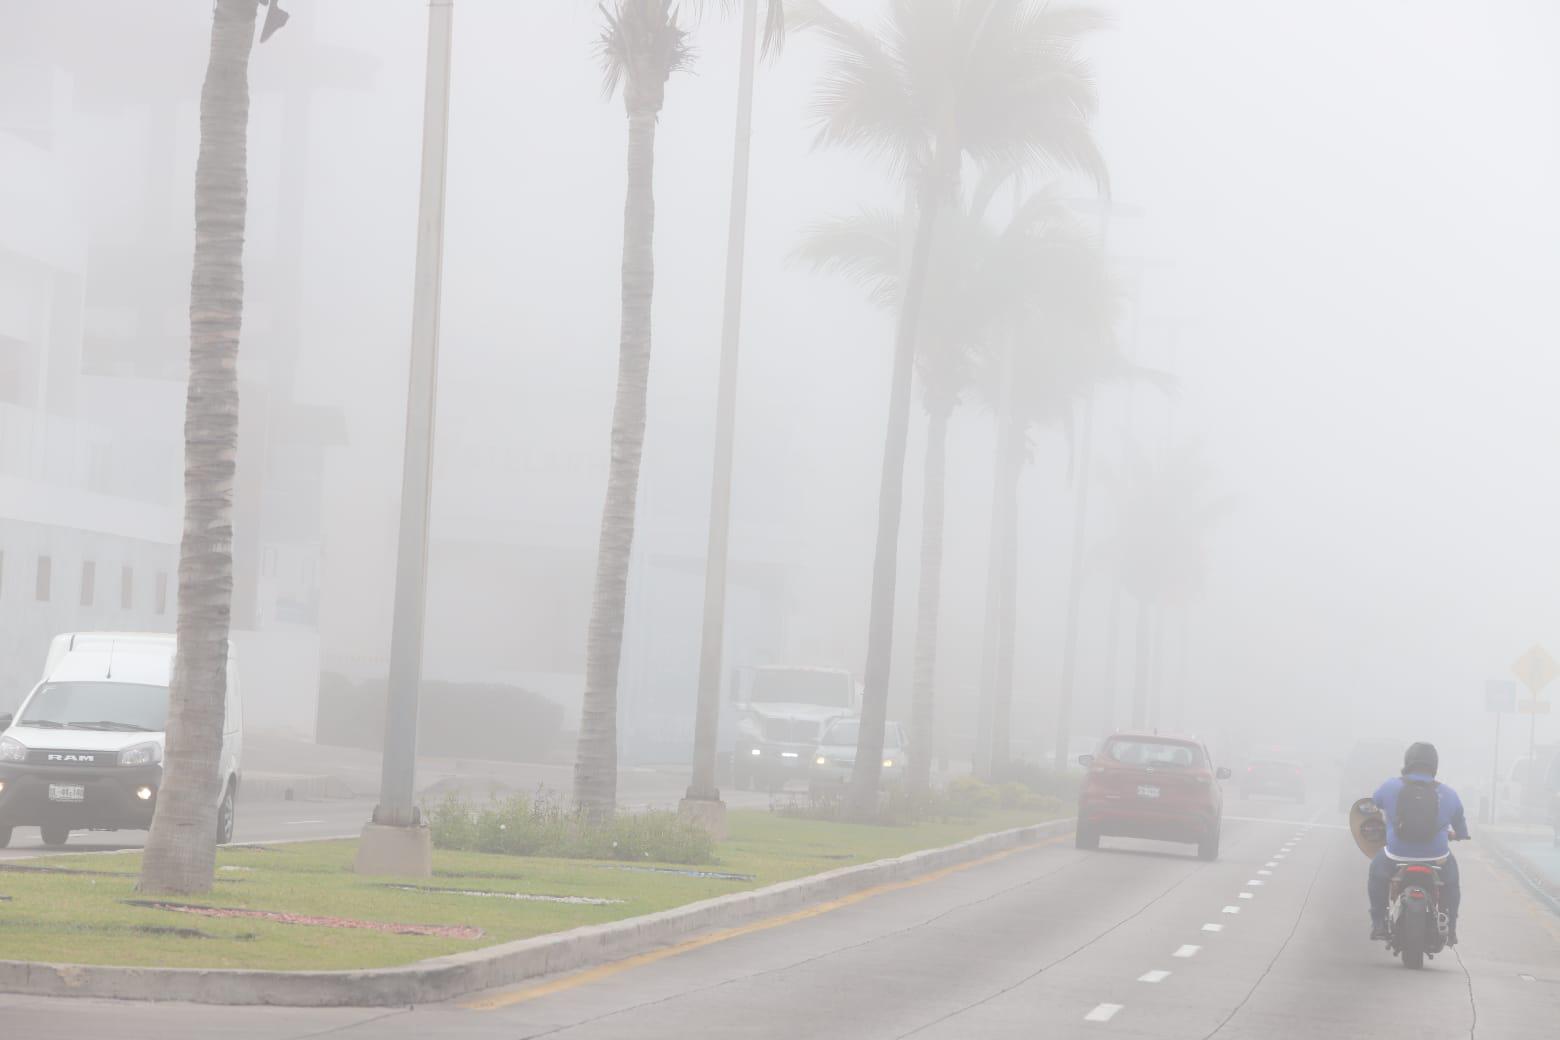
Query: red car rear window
x,y
1160,754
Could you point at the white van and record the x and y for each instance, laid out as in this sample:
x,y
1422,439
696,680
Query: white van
x,y
85,749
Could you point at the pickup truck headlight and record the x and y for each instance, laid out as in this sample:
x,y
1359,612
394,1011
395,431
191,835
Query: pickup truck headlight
x,y
148,754
12,750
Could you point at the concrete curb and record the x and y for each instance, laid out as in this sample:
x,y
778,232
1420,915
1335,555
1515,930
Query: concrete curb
x,y
445,978
1532,874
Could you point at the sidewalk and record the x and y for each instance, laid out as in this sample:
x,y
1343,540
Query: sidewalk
x,y
1533,850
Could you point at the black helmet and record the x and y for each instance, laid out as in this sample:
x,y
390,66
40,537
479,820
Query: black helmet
x,y
1421,758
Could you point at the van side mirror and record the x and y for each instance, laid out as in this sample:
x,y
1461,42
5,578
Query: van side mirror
x,y
1085,760
1223,773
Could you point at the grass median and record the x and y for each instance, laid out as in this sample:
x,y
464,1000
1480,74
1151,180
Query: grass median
x,y
300,906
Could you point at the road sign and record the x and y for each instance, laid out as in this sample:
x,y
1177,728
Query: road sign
x,y
1533,707
1500,695
1536,669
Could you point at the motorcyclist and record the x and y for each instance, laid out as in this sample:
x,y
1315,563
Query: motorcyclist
x,y
1420,764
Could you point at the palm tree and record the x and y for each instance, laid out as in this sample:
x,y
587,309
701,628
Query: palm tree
x,y
641,46
867,248
181,850
995,81
707,723
1158,545
1061,347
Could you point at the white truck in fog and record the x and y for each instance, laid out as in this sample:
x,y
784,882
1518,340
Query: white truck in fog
x,y
85,749
779,716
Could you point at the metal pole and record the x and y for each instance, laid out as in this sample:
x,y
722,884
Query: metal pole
x,y
1495,771
707,722
397,786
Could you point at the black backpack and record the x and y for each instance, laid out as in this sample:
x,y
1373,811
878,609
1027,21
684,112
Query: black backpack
x,y
1418,810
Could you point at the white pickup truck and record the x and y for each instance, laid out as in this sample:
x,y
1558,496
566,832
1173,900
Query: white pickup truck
x,y
780,714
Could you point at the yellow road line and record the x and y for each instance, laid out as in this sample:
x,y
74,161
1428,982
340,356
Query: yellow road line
x,y
604,971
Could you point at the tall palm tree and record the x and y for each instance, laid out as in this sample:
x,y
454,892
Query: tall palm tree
x,y
999,82
977,275
181,850
640,47
1165,514
1061,348
707,722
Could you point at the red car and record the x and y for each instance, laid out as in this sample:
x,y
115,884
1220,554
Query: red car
x,y
1143,785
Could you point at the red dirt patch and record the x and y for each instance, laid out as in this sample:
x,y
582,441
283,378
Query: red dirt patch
x,y
440,931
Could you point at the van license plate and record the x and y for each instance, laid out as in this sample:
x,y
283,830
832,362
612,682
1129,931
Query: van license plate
x,y
67,793
1148,791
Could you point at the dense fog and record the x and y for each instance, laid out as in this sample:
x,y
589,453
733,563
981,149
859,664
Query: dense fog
x,y
1333,226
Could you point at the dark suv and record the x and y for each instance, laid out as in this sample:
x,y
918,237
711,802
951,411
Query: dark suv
x,y
1284,779
1151,786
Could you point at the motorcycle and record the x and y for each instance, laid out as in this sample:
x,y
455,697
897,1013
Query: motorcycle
x,y
1417,926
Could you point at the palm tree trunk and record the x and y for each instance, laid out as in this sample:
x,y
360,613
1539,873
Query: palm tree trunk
x,y
1140,671
1064,705
929,602
707,722
885,560
181,849
1112,658
991,643
595,763
1007,616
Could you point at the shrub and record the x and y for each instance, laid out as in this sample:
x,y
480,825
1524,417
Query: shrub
x,y
540,826
1041,779
969,794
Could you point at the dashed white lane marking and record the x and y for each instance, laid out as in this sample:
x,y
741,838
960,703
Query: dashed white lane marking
x,y
1186,951
1157,975
1526,978
1256,883
1103,1013
299,823
1213,928
1264,873
1232,910
1248,895
1272,863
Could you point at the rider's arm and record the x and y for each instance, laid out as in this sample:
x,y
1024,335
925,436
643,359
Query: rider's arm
x,y
1459,820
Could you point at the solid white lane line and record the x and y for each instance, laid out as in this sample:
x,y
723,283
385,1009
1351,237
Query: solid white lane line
x,y
1232,910
1186,951
300,823
1157,975
1248,895
1213,928
1103,1013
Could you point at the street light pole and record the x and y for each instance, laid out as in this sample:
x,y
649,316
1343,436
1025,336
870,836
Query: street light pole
x,y
396,841
703,799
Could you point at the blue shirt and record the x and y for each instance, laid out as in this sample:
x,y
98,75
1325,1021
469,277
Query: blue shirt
x,y
1450,816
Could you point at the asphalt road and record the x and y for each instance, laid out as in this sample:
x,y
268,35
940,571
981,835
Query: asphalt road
x,y
1135,940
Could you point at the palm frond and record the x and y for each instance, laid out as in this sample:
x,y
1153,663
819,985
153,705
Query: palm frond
x,y
863,248
640,46
862,99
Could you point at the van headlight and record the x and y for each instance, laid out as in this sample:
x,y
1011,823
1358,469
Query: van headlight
x,y
12,750
148,754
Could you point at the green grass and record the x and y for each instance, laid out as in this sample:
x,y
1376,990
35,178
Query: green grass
x,y
85,919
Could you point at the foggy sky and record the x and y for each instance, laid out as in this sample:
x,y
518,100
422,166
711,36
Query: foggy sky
x,y
1345,221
